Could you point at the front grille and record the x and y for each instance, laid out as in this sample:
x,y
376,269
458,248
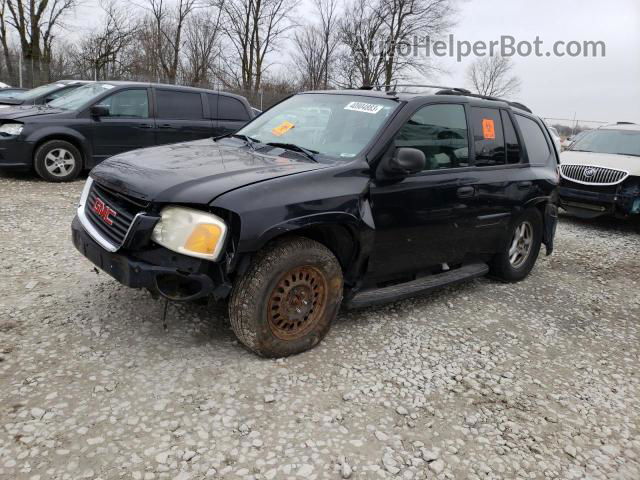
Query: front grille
x,y
592,175
121,220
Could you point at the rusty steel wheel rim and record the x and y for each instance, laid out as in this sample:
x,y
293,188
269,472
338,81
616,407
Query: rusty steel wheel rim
x,y
297,303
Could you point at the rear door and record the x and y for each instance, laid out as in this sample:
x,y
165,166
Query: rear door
x,y
230,114
502,183
128,126
180,116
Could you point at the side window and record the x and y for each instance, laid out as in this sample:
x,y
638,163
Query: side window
x,y
514,152
535,141
488,137
127,103
230,108
177,105
440,132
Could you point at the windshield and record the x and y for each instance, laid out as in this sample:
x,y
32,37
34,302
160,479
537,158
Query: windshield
x,y
80,96
38,91
334,125
621,142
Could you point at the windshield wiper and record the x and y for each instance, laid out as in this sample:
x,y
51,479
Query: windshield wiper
x,y
310,154
630,154
250,141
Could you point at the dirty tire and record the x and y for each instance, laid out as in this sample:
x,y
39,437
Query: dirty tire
x,y
502,267
66,152
298,279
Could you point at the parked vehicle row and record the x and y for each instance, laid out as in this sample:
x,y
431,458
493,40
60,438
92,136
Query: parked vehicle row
x,y
328,198
97,120
40,95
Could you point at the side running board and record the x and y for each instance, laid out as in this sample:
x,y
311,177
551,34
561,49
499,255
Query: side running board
x,y
379,296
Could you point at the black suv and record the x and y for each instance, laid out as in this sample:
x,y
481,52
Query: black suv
x,y
101,119
339,197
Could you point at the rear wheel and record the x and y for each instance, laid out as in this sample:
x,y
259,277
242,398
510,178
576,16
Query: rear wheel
x,y
286,301
57,161
519,256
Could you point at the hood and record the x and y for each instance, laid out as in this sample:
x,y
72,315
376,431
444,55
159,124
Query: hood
x,y
194,172
21,111
628,163
7,102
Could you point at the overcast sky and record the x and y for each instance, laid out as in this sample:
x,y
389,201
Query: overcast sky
x,y
605,89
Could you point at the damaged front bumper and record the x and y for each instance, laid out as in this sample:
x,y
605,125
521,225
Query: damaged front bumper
x,y
161,271
622,202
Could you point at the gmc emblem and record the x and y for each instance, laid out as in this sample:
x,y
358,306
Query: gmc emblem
x,y
104,211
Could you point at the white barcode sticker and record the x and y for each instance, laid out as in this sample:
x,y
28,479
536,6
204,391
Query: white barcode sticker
x,y
364,107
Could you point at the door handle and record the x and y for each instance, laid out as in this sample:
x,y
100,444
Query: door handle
x,y
145,125
524,185
165,125
466,192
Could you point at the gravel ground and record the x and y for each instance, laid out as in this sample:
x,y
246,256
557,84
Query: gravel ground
x,y
534,380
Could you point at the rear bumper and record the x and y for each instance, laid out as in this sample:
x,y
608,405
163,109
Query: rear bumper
x,y
591,204
177,277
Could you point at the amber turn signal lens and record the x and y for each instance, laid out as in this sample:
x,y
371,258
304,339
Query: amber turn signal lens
x,y
203,238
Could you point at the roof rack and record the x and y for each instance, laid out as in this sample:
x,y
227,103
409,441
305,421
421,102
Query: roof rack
x,y
448,91
393,87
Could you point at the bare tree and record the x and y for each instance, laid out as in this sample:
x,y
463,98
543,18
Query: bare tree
x,y
100,53
315,47
493,76
327,9
202,46
360,31
381,36
406,23
35,22
254,27
309,57
4,39
169,24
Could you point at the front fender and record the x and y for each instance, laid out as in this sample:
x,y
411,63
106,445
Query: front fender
x,y
345,219
62,133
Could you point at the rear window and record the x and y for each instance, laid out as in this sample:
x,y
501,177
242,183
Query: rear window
x,y
535,141
179,105
488,137
514,152
230,108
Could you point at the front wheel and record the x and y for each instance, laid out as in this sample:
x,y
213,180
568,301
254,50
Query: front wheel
x,y
285,303
519,256
57,161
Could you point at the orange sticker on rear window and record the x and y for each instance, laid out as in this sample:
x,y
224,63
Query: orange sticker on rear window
x,y
283,128
488,129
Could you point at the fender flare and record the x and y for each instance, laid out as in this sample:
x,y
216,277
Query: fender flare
x,y
62,133
348,220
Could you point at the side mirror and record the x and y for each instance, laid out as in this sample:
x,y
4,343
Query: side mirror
x,y
405,161
99,111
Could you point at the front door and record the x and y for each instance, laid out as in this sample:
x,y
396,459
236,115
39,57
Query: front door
x,y
422,221
128,125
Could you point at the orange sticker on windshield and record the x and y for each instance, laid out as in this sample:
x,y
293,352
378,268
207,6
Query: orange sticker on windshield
x,y
488,129
283,128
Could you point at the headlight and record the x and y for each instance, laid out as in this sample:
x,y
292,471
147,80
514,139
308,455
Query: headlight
x,y
11,128
191,232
